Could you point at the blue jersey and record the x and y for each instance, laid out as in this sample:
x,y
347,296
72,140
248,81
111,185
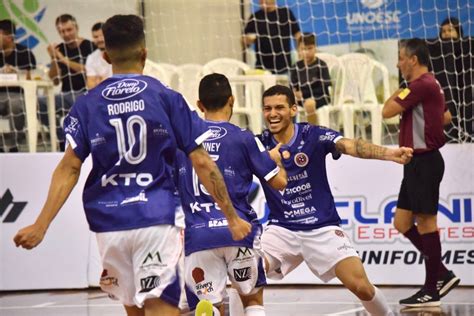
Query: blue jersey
x,y
239,155
307,202
132,126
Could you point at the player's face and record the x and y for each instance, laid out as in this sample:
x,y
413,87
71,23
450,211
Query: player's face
x,y
448,31
405,64
68,31
278,113
98,39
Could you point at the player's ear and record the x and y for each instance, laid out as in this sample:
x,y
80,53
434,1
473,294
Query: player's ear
x,y
230,101
200,106
144,55
293,110
106,57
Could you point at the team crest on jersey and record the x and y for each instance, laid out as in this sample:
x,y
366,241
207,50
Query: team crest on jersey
x,y
216,132
301,160
124,89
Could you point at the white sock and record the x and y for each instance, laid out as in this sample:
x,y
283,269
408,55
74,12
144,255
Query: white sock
x,y
255,310
378,305
235,303
216,311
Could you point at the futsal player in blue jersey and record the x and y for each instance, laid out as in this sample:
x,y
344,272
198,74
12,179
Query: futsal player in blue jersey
x,y
211,253
303,221
132,126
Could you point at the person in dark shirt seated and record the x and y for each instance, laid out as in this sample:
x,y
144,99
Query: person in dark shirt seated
x,y
14,58
310,78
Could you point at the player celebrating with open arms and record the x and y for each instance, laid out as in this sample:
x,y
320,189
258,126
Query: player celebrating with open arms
x,y
303,220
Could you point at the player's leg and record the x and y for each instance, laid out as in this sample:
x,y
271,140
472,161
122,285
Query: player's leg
x,y
246,272
282,251
206,279
134,311
158,269
328,252
159,307
253,304
351,273
310,109
117,274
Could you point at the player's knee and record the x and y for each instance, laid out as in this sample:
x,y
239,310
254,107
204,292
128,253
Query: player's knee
x,y
364,291
402,225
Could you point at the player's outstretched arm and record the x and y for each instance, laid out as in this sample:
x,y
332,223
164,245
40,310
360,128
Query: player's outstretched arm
x,y
212,179
363,149
64,179
280,180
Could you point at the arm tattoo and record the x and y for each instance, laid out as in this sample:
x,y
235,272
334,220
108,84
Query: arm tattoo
x,y
218,185
368,150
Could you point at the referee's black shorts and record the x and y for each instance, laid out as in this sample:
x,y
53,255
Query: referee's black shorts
x,y
419,191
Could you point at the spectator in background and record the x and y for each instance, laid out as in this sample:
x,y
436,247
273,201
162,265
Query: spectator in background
x,y
68,68
97,69
452,64
271,29
451,29
310,78
14,58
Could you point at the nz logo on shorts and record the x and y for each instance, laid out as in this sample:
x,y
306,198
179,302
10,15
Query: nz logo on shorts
x,y
124,89
242,275
149,283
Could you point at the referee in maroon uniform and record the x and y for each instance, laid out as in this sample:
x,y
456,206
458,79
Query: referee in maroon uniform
x,y
423,113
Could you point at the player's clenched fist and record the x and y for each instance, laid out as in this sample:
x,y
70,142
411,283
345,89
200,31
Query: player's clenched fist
x,y
239,228
29,236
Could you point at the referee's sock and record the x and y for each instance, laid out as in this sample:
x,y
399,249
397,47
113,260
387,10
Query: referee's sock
x,y
414,236
432,252
378,305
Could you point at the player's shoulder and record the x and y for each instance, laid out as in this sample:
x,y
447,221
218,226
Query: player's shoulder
x,y
309,131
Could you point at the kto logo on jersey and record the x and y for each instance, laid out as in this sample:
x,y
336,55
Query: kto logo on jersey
x,y
123,89
216,132
301,160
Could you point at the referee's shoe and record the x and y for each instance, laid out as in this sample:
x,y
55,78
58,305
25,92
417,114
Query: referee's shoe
x,y
422,298
447,283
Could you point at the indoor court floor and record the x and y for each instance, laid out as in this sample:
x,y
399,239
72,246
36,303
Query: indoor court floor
x,y
279,301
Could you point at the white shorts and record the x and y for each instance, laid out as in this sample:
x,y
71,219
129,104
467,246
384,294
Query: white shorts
x,y
321,249
143,263
206,273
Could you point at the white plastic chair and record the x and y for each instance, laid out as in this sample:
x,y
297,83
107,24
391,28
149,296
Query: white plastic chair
x,y
247,98
157,71
172,74
358,95
189,76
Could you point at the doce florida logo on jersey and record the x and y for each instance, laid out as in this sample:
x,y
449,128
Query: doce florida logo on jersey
x,y
217,132
123,89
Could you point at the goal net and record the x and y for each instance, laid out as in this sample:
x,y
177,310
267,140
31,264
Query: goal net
x,y
193,33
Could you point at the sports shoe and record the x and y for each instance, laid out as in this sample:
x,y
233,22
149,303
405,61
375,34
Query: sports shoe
x,y
422,298
204,308
449,282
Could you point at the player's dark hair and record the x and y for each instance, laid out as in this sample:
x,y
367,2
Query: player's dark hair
x,y
214,91
8,27
417,47
307,39
97,26
123,31
63,18
455,23
280,90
